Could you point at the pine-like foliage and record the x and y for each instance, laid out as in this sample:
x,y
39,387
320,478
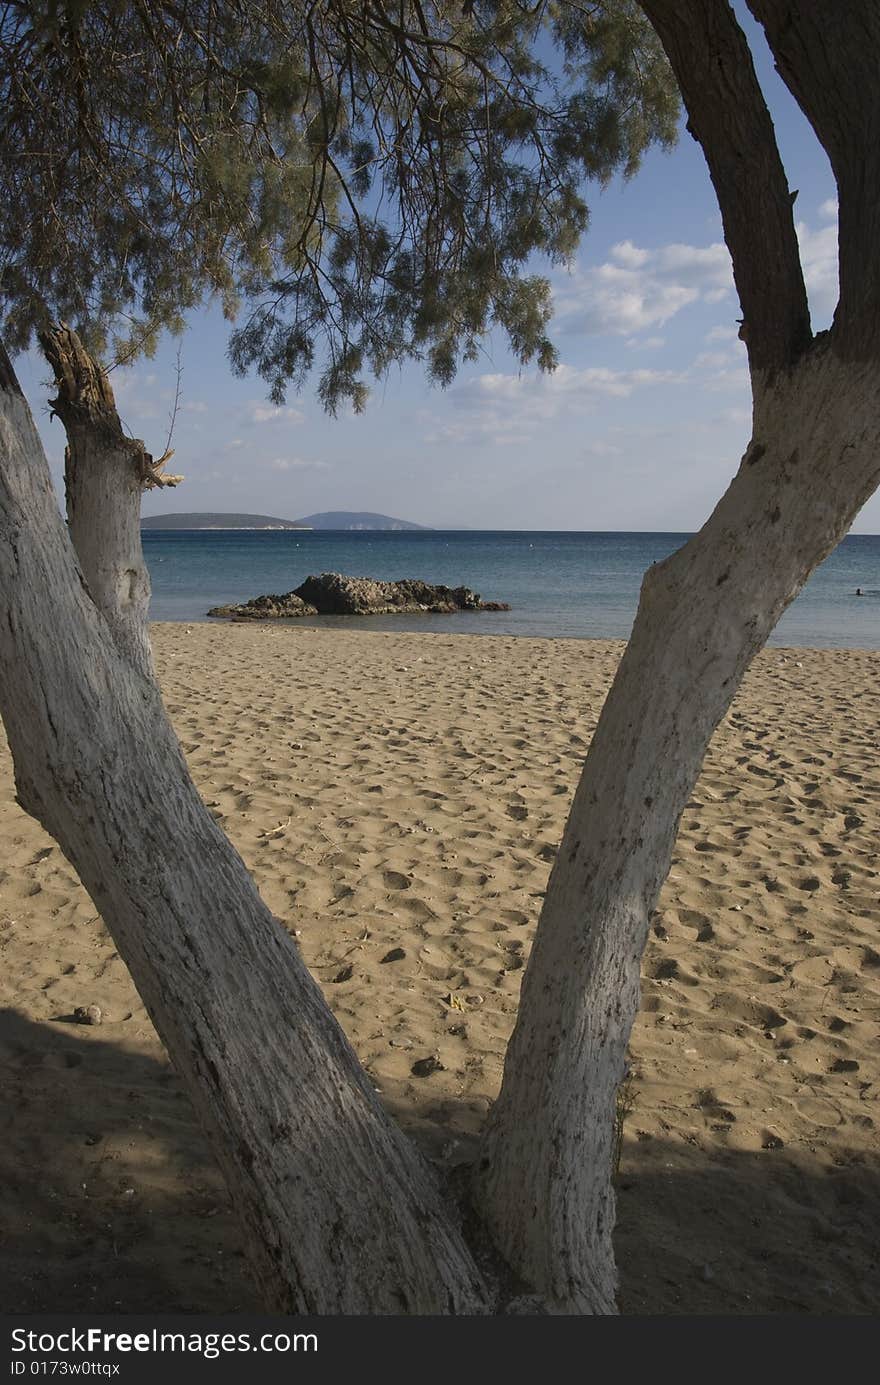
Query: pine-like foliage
x,y
360,181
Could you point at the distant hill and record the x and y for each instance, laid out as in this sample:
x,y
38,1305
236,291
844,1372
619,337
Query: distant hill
x,y
329,519
204,520
355,519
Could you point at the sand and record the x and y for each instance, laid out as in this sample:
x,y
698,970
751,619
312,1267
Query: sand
x,y
407,792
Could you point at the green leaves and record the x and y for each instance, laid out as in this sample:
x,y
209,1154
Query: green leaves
x,y
369,181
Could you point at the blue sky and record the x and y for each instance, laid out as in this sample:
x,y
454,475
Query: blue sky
x,y
640,428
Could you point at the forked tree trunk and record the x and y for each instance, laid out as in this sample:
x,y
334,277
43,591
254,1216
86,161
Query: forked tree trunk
x,y
105,474
342,1214
544,1178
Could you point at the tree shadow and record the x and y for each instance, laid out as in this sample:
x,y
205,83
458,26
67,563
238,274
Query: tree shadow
x,y
110,1200
736,1233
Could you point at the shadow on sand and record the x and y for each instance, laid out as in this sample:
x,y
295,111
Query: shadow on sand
x,y
110,1201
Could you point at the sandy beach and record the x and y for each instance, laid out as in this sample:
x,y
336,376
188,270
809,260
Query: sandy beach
x,y
399,799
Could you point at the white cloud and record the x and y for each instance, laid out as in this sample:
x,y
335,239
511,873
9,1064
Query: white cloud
x,y
734,378
646,343
195,406
714,360
819,260
636,289
269,413
601,448
629,255
296,464
509,409
566,380
722,333
740,418
139,396
818,250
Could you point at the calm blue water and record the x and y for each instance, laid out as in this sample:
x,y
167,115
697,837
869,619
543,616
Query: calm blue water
x,y
577,585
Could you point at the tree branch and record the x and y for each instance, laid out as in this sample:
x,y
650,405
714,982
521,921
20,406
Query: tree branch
x,y
105,472
153,474
727,114
827,55
84,394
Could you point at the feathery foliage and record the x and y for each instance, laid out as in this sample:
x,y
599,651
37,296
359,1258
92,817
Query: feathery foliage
x,y
368,180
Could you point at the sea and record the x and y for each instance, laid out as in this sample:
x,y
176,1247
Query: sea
x,y
558,585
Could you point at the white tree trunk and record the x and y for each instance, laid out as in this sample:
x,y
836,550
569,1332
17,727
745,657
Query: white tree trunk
x,y
103,508
543,1182
106,473
342,1214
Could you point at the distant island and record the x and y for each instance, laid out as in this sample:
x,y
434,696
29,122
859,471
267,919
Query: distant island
x,y
355,519
328,519
204,520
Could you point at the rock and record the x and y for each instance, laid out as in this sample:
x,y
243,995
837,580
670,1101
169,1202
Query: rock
x,y
266,608
396,954
333,594
423,1067
771,1141
88,1014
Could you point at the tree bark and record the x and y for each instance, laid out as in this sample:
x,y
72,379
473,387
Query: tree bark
x,y
728,115
105,475
342,1214
544,1177
543,1181
827,56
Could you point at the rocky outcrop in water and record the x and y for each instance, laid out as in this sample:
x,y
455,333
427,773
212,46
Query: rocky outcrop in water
x,y
333,594
266,608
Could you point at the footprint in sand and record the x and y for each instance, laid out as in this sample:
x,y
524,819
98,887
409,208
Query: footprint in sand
x,y
692,919
396,880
